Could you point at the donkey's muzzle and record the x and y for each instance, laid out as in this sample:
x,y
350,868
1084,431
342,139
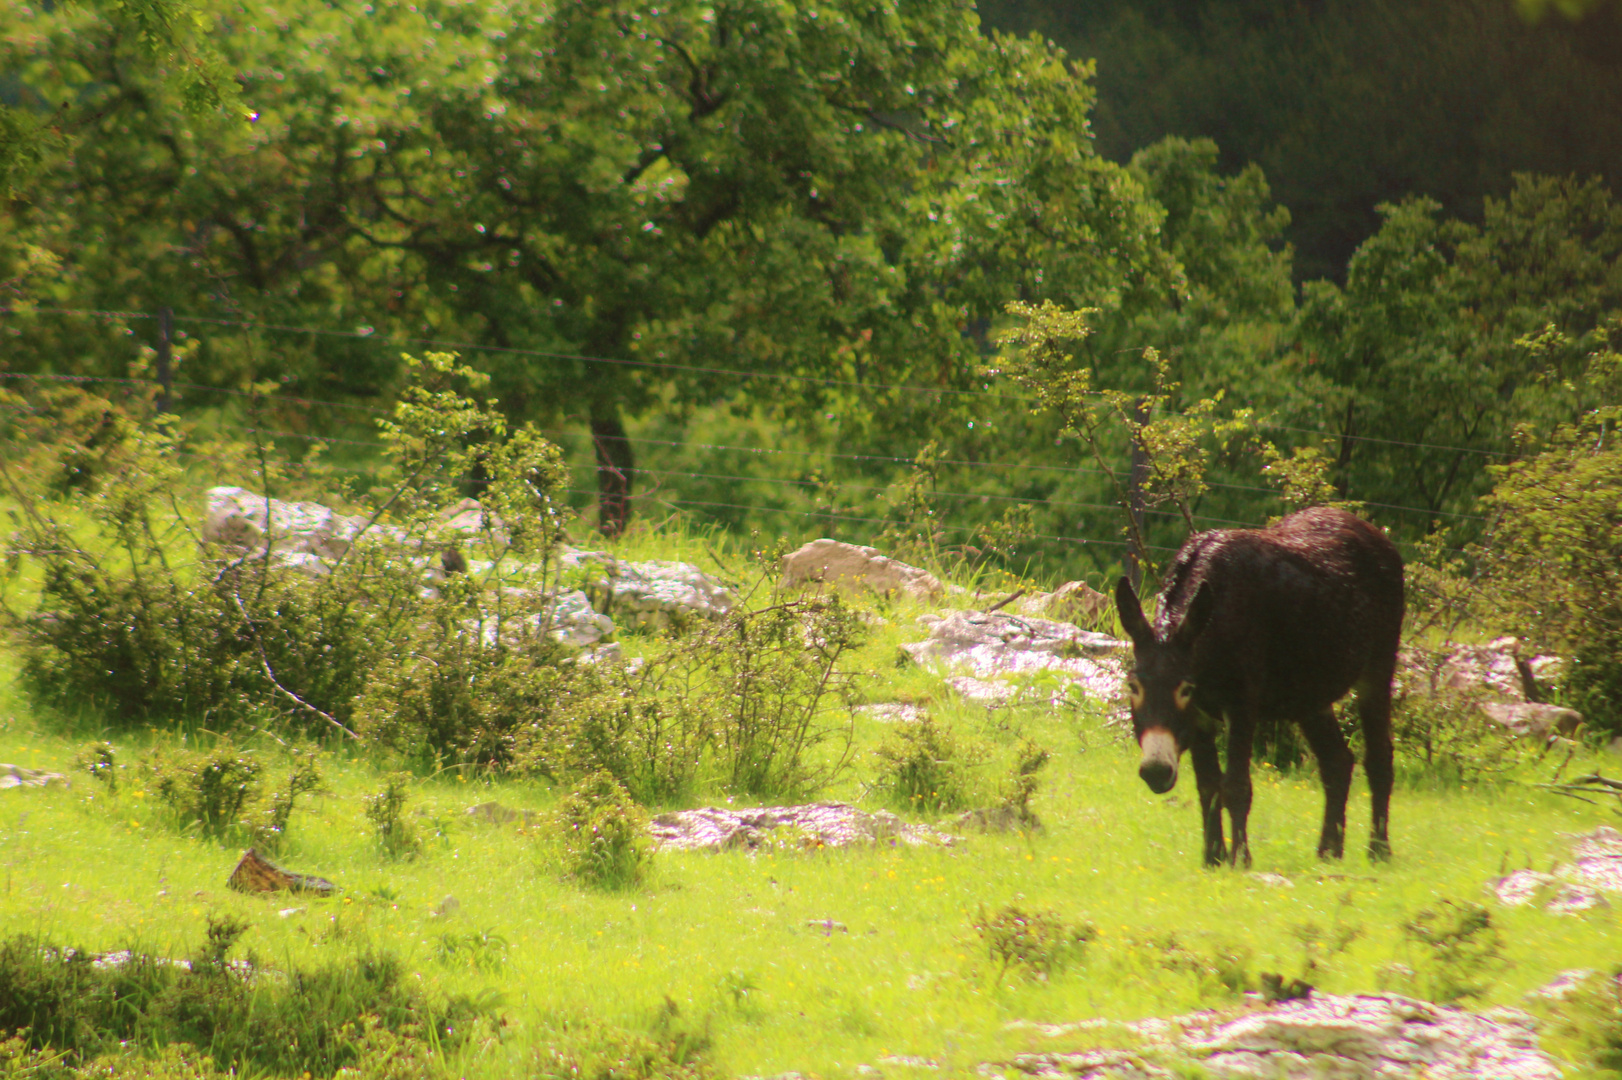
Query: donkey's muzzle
x,y
1159,765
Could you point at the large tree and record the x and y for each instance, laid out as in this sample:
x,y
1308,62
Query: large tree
x,y
662,199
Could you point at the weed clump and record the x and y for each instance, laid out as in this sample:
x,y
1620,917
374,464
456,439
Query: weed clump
x,y
396,839
922,766
206,790
603,834
71,1010
1036,943
1460,952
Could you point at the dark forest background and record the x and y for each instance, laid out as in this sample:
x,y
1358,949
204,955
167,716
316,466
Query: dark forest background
x,y
1347,104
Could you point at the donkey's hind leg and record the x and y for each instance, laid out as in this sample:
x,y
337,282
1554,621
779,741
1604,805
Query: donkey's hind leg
x,y
1335,766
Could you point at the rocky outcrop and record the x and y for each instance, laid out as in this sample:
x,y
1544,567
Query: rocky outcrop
x,y
1575,886
981,648
1351,1037
814,825
851,567
656,595
16,776
237,518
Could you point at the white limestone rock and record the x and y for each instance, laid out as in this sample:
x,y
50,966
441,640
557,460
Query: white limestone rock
x,y
657,595
853,567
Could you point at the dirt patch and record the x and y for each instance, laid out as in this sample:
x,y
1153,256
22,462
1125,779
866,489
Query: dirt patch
x,y
813,825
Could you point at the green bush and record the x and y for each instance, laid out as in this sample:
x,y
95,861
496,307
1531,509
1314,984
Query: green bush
x,y
137,616
1440,732
1037,943
603,834
922,766
1556,557
396,839
209,791
299,1022
1458,951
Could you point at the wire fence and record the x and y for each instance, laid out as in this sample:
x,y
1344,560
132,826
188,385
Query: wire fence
x,y
658,482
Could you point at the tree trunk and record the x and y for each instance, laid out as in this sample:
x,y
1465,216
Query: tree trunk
x,y
615,469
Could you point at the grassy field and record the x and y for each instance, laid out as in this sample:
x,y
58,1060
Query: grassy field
x,y
724,945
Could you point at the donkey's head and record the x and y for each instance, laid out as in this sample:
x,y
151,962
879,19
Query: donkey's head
x,y
1160,687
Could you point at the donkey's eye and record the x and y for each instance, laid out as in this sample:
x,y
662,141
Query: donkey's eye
x,y
1183,694
1134,693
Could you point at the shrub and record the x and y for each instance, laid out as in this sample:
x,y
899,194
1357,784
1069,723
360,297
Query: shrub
x,y
137,616
1443,732
304,1023
603,833
1556,558
396,839
923,767
747,703
1028,761
1460,951
1035,942
209,790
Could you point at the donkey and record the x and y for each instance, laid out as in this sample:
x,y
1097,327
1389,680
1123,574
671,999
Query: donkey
x,y
1267,625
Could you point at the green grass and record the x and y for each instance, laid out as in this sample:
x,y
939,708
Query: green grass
x,y
726,937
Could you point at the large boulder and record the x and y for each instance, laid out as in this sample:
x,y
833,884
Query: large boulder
x,y
657,595
852,567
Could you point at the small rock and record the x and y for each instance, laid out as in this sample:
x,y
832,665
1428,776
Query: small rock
x,y
1522,887
853,567
1528,718
449,905
493,813
985,646
891,712
255,873
656,595
995,819
1277,881
1072,602
289,912
16,776
827,927
1563,985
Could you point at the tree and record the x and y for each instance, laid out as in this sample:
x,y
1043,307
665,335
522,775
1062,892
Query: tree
x,y
1448,337
664,199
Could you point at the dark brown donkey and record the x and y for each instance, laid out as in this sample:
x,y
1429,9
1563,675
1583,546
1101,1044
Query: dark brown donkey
x,y
1269,625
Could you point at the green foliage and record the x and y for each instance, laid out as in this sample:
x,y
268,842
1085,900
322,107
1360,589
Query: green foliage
x,y
1460,952
1441,733
749,703
1555,559
483,950
303,777
922,766
206,790
584,1050
1029,759
603,834
396,839
1036,943
127,623
100,761
1455,336
307,1023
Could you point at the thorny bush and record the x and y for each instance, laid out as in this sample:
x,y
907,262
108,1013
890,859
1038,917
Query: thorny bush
x,y
135,614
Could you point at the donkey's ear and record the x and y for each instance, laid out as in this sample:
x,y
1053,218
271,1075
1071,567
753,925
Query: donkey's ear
x,y
1196,615
1131,612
